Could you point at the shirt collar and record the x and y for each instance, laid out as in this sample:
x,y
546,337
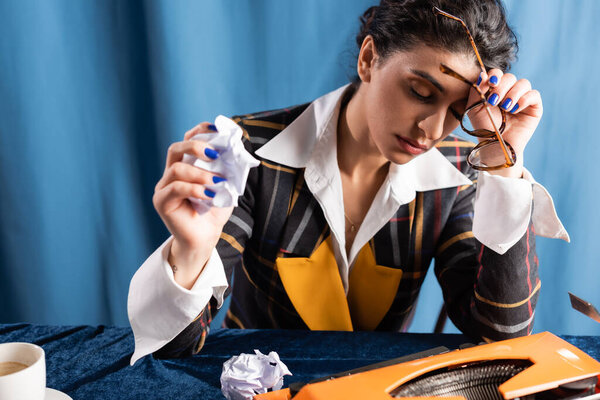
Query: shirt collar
x,y
296,146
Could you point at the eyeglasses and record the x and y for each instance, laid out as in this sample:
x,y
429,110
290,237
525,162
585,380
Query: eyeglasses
x,y
493,153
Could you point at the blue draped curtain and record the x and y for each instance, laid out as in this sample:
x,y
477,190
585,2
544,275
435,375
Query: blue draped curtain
x,y
93,92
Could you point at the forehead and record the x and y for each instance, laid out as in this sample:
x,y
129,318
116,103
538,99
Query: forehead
x,y
428,59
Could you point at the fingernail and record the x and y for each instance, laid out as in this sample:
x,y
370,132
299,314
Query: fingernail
x,y
494,80
212,127
217,179
209,193
478,80
211,153
515,108
506,104
493,99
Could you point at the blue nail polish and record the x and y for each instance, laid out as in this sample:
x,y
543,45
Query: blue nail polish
x,y
494,80
478,80
209,193
217,179
211,153
212,127
515,108
506,104
493,99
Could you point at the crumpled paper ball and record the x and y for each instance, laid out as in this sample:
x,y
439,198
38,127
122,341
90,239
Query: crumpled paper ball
x,y
247,375
233,163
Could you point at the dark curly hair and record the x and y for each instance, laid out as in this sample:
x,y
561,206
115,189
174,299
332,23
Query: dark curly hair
x,y
398,25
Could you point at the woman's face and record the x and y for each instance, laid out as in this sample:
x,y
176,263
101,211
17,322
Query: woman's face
x,y
410,105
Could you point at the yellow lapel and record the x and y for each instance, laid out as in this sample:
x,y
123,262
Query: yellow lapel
x,y
372,290
315,288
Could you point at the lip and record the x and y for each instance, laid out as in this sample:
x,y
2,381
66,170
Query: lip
x,y
411,146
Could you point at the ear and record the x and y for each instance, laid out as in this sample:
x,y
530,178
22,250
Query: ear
x,y
367,58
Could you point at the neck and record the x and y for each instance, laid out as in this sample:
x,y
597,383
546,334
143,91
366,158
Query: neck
x,y
358,157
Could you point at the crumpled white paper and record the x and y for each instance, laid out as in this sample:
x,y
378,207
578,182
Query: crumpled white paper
x,y
233,163
247,375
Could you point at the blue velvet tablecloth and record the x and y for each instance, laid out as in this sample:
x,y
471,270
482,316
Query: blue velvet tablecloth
x,y
93,362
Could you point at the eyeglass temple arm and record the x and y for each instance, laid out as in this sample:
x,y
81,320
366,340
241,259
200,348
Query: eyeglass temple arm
x,y
444,13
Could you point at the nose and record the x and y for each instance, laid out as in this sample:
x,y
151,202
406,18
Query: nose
x,y
432,125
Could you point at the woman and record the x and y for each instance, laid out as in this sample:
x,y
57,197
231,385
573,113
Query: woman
x,y
357,192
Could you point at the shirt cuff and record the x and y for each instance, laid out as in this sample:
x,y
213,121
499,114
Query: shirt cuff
x,y
502,211
159,308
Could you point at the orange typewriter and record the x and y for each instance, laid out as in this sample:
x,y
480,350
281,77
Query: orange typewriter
x,y
540,367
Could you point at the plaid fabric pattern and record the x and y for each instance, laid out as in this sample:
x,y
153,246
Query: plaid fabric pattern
x,y
487,295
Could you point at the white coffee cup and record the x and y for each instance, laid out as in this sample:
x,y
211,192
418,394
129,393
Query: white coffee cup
x,y
28,383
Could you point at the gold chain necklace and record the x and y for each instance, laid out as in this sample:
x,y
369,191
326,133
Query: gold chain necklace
x,y
352,226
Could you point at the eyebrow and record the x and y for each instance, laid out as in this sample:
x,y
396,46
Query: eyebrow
x,y
430,78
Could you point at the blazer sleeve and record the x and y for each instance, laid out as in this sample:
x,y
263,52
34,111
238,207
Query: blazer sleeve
x,y
487,295
230,247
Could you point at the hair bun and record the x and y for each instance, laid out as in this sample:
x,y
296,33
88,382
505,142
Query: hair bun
x,y
397,25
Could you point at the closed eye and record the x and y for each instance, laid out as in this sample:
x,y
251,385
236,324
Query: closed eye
x,y
424,99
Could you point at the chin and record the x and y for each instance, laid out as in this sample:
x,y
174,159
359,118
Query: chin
x,y
400,157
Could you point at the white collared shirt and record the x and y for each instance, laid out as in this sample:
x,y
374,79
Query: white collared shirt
x,y
159,309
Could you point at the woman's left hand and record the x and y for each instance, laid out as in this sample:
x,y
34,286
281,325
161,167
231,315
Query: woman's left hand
x,y
523,106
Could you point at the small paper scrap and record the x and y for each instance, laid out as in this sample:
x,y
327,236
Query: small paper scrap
x,y
233,163
247,375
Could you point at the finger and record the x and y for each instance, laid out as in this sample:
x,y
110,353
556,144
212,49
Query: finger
x,y
494,76
530,103
196,148
181,171
171,196
513,96
204,127
483,77
497,93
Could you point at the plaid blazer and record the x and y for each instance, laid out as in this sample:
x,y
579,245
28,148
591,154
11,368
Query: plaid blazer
x,y
487,295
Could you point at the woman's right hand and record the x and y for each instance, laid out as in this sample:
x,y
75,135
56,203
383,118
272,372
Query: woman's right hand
x,y
195,235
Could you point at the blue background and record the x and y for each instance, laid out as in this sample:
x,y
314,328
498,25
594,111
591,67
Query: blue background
x,y
92,94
